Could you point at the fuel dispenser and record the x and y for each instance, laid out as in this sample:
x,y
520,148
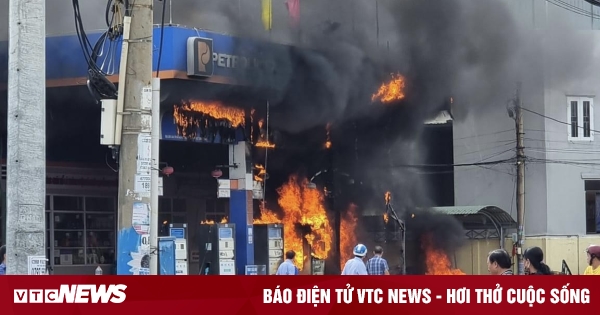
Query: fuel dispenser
x,y
268,246
179,232
217,249
316,265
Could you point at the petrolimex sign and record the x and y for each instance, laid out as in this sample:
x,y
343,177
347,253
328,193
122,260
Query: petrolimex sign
x,y
202,59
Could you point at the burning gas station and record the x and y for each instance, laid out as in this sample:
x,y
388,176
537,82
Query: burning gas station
x,y
253,186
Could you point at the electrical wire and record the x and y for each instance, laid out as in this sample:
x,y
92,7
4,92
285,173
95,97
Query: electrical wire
x,y
162,32
485,134
574,9
554,119
503,161
99,86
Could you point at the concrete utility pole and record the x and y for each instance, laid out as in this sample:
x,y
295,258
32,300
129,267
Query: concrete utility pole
x,y
520,181
26,156
133,249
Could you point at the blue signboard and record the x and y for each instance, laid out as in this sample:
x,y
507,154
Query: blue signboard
x,y
235,60
177,232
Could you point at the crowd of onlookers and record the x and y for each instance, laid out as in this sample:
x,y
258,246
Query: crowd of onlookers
x,y
499,262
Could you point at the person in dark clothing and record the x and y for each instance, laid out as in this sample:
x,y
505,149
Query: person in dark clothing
x,y
499,263
534,262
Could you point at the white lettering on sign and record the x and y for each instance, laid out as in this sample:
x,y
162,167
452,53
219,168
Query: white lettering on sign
x,y
233,61
74,293
142,184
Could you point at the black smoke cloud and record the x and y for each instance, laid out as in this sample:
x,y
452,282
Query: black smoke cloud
x,y
460,48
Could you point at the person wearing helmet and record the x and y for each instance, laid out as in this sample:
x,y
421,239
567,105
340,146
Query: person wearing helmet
x,y
593,259
356,266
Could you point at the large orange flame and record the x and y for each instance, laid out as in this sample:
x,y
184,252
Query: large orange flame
x,y
260,173
263,140
267,217
348,238
216,110
391,91
436,260
302,206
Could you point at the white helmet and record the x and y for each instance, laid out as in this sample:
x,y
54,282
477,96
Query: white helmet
x,y
360,250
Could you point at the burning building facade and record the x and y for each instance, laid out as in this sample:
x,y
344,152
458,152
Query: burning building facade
x,y
221,119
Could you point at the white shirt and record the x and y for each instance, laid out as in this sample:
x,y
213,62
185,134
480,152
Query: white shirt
x,y
287,268
355,267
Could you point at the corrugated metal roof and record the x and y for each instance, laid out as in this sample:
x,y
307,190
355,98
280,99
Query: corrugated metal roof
x,y
442,118
494,213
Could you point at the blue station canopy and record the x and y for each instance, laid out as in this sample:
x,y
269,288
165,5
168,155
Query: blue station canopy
x,y
235,61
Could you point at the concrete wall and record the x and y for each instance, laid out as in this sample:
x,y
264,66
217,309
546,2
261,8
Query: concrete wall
x,y
472,257
555,197
566,196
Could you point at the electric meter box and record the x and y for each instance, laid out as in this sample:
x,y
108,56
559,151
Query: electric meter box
x,y
217,249
268,246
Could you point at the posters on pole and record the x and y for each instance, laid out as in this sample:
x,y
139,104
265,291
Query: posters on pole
x,y
144,156
140,259
140,220
142,185
36,265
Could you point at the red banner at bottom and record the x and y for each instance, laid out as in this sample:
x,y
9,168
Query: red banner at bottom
x,y
297,295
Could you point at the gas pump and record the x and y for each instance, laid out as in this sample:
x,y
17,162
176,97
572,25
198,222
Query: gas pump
x,y
179,232
268,246
217,249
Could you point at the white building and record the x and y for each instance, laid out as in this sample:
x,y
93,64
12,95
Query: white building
x,y
562,181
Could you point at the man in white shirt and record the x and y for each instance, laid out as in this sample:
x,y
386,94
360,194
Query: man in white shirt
x,y
287,268
356,266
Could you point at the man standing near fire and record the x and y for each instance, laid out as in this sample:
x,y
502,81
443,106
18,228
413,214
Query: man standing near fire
x,y
356,265
287,268
593,259
377,266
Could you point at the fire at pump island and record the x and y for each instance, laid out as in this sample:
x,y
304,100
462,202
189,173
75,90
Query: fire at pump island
x,y
317,211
